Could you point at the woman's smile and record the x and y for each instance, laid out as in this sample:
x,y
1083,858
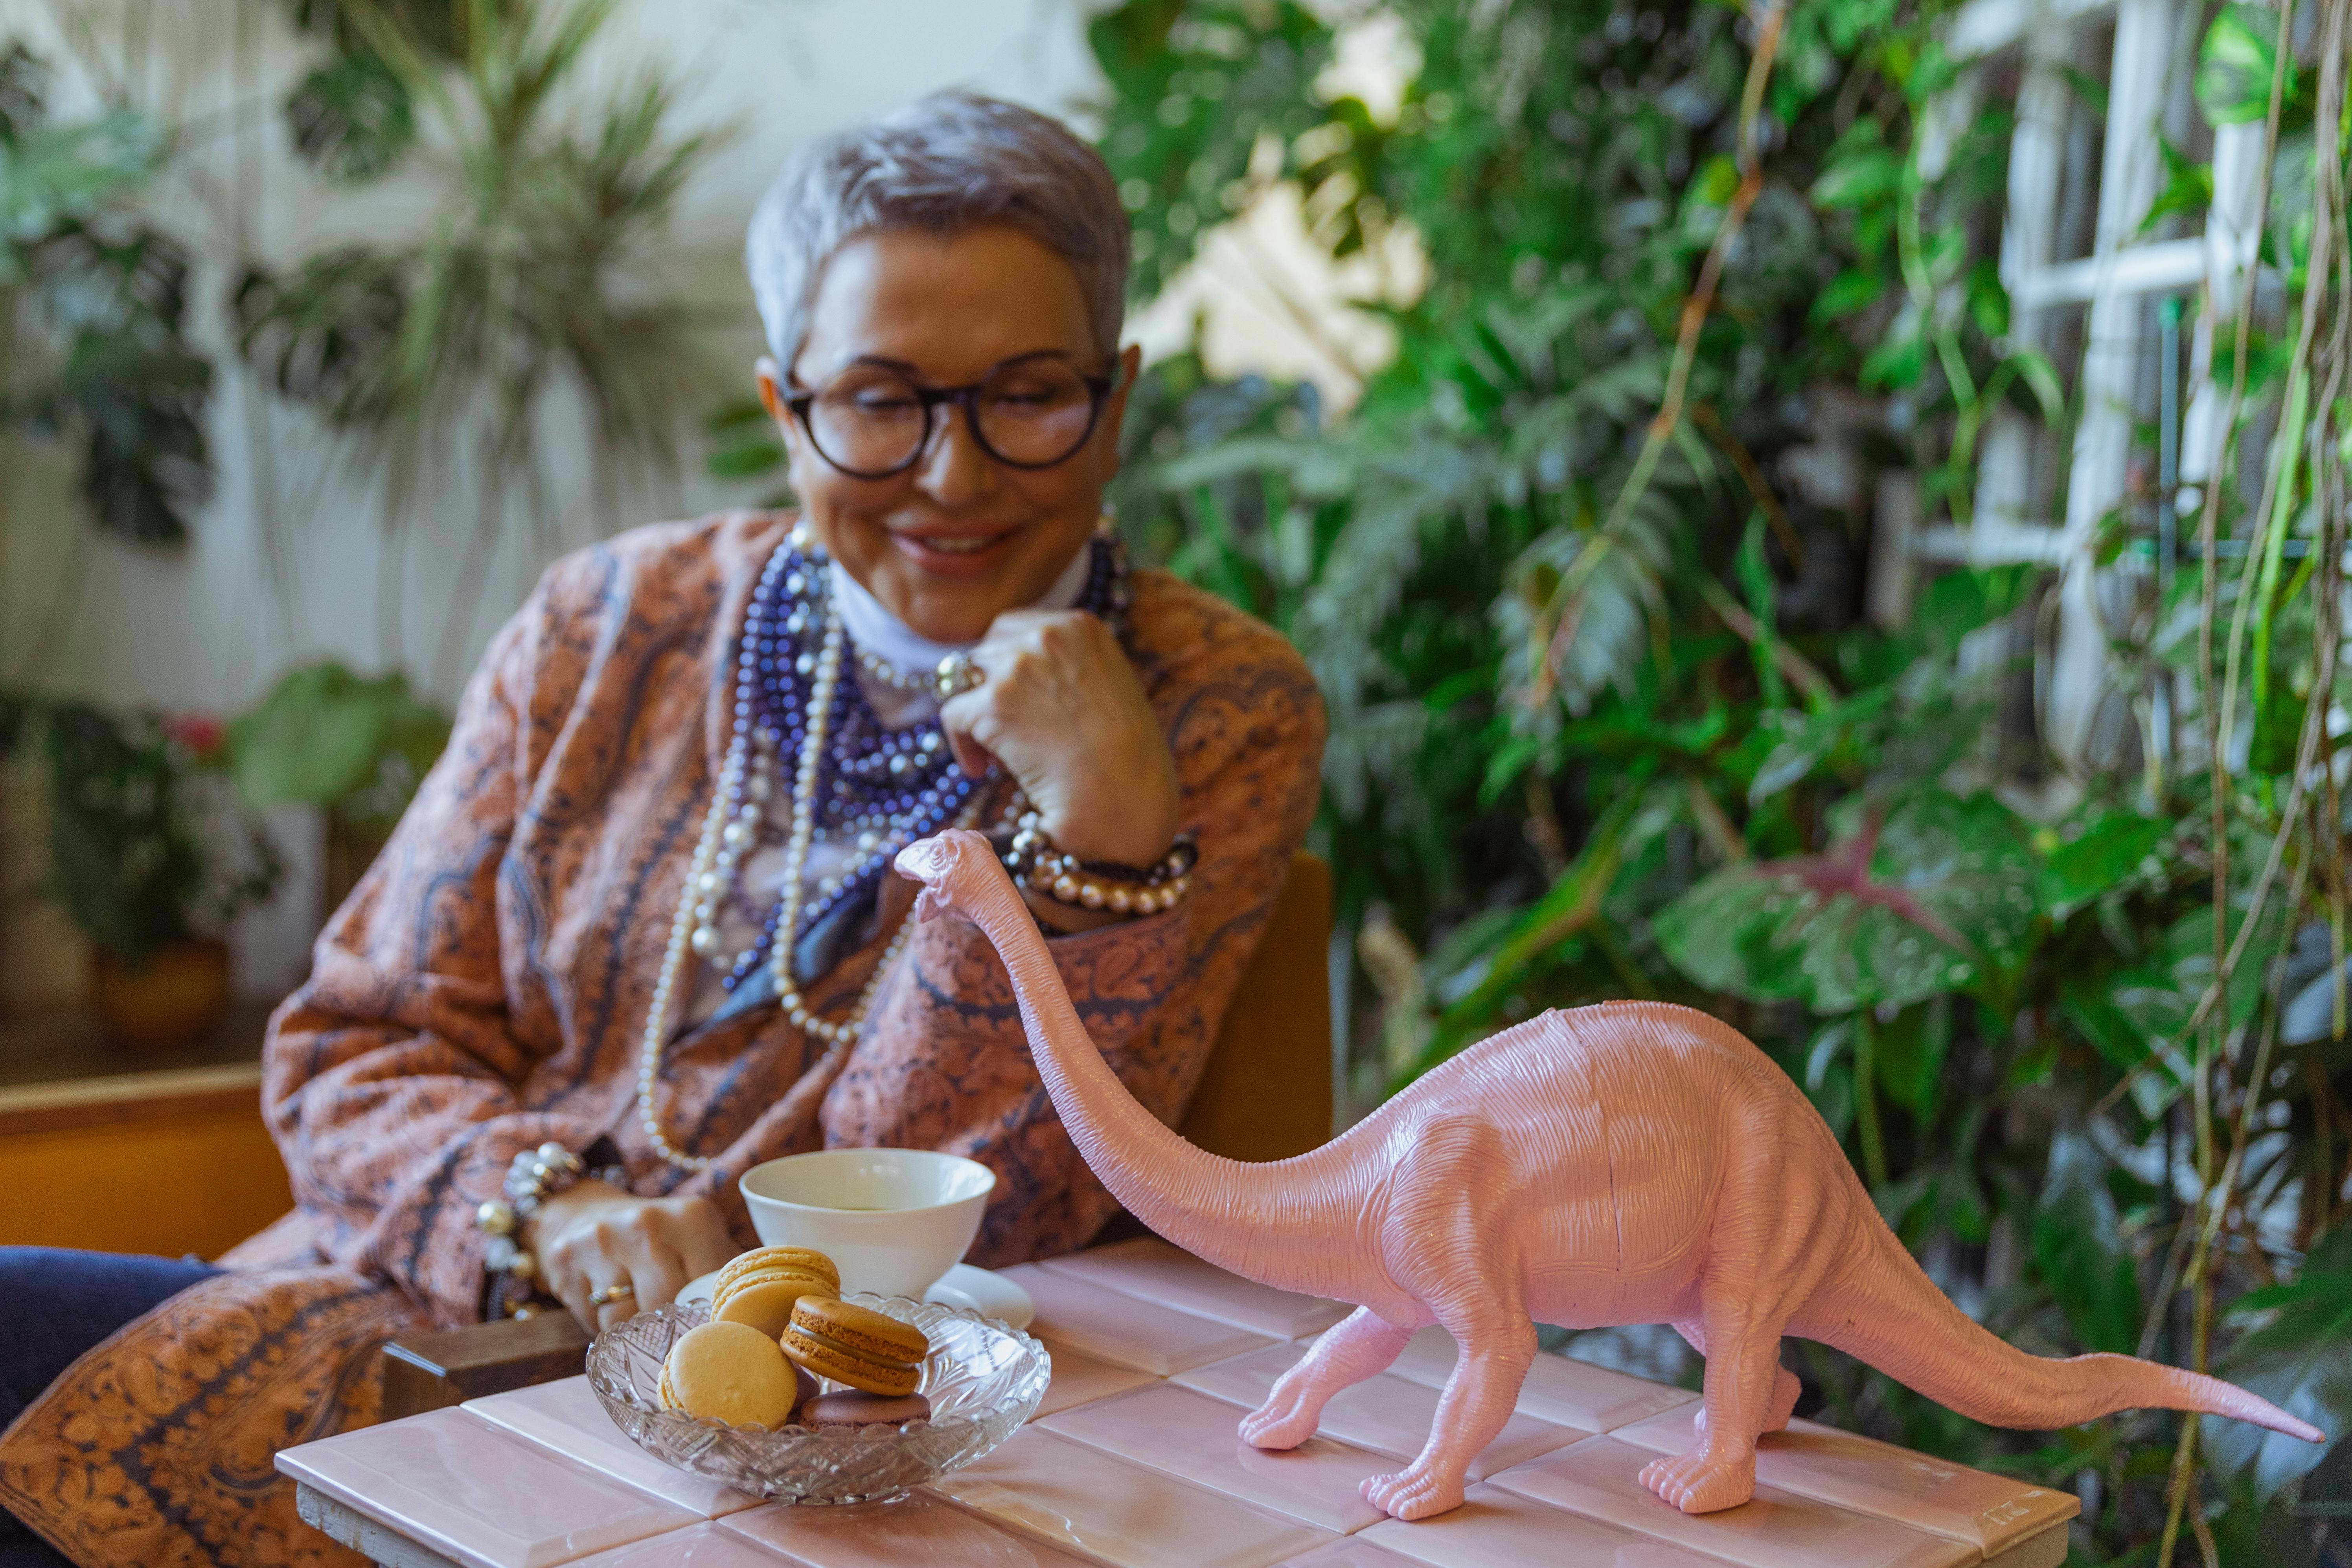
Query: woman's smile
x,y
962,550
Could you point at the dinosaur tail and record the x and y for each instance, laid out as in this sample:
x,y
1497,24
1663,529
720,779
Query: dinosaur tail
x,y
1882,1307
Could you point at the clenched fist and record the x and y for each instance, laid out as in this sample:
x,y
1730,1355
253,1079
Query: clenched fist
x,y
1063,711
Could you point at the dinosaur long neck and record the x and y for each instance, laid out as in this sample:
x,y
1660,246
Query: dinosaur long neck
x,y
1279,1223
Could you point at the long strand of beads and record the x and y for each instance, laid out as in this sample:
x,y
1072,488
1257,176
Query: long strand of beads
x,y
715,826
681,931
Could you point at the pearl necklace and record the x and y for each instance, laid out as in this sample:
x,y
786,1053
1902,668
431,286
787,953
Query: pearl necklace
x,y
898,678
719,835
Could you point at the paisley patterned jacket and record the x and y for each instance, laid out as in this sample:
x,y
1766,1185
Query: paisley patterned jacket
x,y
484,988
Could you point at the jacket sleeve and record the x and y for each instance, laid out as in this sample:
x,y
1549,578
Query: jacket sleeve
x,y
944,1063
390,1078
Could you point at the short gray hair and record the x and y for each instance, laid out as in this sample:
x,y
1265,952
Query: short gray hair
x,y
945,163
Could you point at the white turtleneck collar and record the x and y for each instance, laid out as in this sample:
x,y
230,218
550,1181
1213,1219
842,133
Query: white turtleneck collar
x,y
885,636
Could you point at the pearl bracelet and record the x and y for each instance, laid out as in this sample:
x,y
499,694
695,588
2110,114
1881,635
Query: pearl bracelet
x,y
1099,885
534,1176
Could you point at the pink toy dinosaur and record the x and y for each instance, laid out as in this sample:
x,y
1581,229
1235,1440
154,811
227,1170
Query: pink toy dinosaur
x,y
1631,1162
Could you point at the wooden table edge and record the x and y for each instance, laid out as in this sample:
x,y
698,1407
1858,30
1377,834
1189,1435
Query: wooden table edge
x,y
376,1541
60,1107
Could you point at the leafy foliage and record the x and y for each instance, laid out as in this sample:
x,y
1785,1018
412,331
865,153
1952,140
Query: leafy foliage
x,y
535,274
2296,1353
326,737
146,849
354,116
94,303
1195,86
1581,573
1931,897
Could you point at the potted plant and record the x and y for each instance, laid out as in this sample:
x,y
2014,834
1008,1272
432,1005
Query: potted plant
x,y
352,746
151,856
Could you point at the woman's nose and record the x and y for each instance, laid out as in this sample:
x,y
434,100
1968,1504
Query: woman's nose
x,y
953,469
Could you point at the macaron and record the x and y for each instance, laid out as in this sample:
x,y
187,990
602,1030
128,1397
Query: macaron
x,y
856,1345
731,1372
759,1288
848,1412
760,1258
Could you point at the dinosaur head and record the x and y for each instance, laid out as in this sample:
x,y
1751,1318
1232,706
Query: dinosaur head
x,y
954,867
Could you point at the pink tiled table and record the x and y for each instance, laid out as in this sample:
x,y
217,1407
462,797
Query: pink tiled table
x,y
1133,1462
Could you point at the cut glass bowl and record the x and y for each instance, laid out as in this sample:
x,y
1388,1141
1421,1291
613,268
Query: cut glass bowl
x,y
983,1380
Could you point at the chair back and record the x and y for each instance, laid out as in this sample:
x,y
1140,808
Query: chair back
x,y
1267,1092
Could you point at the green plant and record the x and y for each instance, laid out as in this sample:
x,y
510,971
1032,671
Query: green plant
x,y
1581,578
326,737
147,843
533,274
93,304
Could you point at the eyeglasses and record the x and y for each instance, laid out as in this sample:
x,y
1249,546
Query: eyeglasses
x,y
872,421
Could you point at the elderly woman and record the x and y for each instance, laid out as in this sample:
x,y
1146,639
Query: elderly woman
x,y
637,933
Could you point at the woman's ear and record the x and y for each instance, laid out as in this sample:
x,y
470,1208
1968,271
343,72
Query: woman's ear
x,y
772,398
1131,366
771,378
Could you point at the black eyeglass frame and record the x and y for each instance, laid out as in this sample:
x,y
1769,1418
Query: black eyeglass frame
x,y
966,397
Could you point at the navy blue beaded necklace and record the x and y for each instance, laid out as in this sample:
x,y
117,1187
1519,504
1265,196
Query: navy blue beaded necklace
x,y
877,788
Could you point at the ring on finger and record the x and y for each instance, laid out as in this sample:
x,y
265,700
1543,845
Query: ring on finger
x,y
605,1295
958,674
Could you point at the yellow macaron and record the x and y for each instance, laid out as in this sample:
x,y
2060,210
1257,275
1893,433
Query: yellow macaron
x,y
731,1372
856,1345
765,1257
763,1298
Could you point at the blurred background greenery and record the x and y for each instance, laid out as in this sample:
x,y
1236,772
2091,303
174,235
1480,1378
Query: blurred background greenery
x,y
1613,335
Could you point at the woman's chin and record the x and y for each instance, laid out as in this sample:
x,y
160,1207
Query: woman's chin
x,y
950,588
948,608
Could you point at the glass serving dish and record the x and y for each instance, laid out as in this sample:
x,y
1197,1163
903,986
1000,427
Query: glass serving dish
x,y
983,1380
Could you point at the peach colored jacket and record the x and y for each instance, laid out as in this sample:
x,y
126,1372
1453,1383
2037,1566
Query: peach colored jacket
x,y
484,987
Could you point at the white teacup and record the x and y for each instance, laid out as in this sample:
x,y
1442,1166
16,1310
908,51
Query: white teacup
x,y
892,1220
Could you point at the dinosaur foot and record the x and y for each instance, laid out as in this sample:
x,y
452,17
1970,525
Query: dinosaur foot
x,y
1697,1482
1415,1492
1280,1422
1785,1390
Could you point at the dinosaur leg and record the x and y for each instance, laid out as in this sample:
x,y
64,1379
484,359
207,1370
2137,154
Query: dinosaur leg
x,y
1463,1262
1743,1365
1497,1344
1785,1388
1360,1345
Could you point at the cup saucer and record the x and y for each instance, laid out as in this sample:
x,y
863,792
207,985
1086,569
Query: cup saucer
x,y
990,1294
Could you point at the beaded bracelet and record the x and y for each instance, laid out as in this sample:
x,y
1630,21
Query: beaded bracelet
x,y
1097,884
534,1176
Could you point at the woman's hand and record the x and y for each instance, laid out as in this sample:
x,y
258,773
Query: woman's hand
x,y
1063,711
592,1236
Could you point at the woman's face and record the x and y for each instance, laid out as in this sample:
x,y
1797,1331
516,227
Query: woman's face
x,y
958,538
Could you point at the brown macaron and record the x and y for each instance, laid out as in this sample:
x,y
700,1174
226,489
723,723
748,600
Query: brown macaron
x,y
848,1412
856,1345
731,1372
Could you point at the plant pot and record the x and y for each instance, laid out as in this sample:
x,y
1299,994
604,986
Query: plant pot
x,y
178,995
